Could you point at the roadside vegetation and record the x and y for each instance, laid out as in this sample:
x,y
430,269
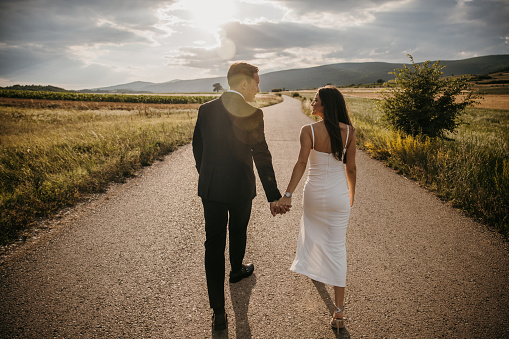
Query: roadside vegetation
x,y
421,102
470,169
53,153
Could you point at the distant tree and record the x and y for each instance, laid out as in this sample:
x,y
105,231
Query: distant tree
x,y
421,101
48,88
217,87
380,81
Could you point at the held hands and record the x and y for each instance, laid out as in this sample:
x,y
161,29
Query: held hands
x,y
281,206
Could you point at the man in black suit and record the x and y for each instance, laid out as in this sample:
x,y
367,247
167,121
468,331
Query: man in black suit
x,y
228,136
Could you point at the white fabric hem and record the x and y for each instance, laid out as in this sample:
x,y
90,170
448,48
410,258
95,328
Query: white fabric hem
x,y
317,278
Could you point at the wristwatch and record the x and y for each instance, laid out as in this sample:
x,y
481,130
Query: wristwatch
x,y
288,194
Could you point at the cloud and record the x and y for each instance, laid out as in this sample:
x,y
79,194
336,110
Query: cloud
x,y
75,22
257,41
303,7
151,40
336,14
395,28
37,66
48,39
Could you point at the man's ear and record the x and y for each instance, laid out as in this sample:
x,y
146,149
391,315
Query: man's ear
x,y
244,84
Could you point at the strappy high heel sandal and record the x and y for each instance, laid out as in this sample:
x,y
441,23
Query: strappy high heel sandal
x,y
338,323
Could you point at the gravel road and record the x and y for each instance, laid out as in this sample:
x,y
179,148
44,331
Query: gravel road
x,y
130,263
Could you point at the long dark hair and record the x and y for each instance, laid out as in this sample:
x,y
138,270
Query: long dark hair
x,y
334,112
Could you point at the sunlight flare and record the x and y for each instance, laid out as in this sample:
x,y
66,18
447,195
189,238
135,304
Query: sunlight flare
x,y
208,14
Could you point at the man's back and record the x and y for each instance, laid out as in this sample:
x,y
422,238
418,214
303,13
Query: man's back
x,y
225,130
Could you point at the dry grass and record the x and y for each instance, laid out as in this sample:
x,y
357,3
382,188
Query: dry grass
x,y
53,153
494,101
471,170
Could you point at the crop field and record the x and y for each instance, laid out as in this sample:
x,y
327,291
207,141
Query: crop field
x,y
135,98
54,152
471,171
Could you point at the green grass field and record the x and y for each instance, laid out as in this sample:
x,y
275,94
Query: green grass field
x,y
52,157
471,170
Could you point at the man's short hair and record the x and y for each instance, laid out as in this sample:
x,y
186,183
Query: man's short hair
x,y
240,71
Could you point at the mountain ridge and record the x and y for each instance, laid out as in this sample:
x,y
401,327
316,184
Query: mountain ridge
x,y
338,74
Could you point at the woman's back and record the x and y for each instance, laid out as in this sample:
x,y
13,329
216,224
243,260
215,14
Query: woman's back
x,y
322,141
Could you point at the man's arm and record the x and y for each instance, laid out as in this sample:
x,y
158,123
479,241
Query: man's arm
x,y
197,144
263,160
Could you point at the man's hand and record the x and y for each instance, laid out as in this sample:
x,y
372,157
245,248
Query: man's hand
x,y
273,207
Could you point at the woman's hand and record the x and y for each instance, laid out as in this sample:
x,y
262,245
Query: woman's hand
x,y
351,195
285,202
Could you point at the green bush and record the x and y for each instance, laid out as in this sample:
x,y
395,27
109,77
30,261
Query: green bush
x,y
421,101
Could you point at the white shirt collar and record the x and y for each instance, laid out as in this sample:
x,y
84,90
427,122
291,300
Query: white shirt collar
x,y
234,91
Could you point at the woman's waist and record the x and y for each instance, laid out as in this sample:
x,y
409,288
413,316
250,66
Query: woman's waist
x,y
329,179
332,171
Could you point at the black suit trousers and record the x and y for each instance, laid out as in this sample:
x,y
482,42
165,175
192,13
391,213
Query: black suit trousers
x,y
218,217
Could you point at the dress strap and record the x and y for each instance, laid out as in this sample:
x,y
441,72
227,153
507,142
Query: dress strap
x,y
346,141
313,133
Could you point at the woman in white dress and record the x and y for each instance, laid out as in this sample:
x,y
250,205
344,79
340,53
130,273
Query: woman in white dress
x,y
328,194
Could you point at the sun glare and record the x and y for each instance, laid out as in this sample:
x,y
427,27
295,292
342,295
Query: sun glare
x,y
209,14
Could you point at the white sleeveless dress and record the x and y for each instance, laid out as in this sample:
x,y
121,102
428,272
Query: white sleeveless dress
x,y
321,251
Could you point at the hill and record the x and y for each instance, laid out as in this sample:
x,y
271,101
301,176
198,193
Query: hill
x,y
341,74
132,87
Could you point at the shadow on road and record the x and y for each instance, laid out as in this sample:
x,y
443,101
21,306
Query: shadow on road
x,y
220,334
327,300
240,294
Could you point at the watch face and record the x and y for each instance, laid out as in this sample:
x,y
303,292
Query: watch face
x,y
288,195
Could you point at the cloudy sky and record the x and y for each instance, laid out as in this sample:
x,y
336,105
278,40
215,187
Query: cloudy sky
x,y
78,44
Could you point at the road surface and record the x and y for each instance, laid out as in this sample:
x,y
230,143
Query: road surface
x,y
130,263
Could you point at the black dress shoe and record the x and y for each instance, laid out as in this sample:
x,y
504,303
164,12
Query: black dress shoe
x,y
219,322
244,272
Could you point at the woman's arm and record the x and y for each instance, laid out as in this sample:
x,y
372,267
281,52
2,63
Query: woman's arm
x,y
300,166
351,169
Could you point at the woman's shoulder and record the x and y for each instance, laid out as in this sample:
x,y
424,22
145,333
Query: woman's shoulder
x,y
345,126
312,125
306,129
316,124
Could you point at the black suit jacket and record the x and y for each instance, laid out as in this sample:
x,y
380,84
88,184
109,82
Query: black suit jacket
x,y
228,135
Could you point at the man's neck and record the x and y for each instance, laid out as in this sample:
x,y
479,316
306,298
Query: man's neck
x,y
234,91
